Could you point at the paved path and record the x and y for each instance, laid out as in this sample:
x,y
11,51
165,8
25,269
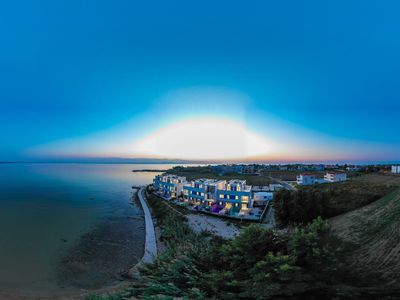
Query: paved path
x,y
150,247
269,219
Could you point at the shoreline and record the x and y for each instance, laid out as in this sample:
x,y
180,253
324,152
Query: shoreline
x,y
150,170
97,262
150,245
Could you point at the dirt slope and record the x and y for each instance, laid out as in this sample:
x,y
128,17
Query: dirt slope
x,y
375,231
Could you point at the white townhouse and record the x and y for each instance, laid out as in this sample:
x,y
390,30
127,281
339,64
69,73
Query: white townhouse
x,y
262,198
396,169
168,185
202,190
335,177
305,179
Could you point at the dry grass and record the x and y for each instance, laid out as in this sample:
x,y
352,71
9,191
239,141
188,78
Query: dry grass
x,y
374,230
383,179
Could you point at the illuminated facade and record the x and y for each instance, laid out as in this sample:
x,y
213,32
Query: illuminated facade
x,y
169,186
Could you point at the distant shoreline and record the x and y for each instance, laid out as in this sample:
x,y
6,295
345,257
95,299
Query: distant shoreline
x,y
150,170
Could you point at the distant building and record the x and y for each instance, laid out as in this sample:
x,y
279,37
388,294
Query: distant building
x,y
335,177
353,169
396,169
305,179
275,187
238,169
169,186
260,188
262,198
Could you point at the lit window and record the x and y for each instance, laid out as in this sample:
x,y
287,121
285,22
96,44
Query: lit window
x,y
237,197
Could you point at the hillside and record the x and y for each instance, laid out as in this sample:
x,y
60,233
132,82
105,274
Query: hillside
x,y
374,230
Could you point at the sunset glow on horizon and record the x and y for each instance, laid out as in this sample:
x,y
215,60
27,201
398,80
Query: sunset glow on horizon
x,y
144,81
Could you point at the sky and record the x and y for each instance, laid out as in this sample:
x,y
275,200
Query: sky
x,y
262,81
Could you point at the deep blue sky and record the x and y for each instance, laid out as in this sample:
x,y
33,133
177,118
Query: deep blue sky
x,y
71,69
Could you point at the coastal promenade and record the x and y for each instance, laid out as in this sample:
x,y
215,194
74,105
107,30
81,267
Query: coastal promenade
x,y
150,248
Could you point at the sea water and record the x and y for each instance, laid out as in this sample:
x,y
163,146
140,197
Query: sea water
x,y
46,208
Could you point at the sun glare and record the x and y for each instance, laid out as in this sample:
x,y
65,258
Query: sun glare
x,y
206,138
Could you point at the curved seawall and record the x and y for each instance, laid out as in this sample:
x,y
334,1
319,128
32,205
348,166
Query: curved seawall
x,y
150,248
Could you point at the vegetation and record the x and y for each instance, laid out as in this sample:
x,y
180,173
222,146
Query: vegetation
x,y
192,173
325,200
306,262
257,264
374,231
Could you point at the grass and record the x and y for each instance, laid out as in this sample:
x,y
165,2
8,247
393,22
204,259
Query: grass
x,y
374,232
352,194
382,179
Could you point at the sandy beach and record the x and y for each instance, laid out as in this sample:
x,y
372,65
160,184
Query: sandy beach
x,y
219,227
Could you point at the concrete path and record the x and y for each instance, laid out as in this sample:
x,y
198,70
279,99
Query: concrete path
x,y
150,247
269,220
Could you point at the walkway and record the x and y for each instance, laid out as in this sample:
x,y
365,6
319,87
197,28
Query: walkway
x,y
150,247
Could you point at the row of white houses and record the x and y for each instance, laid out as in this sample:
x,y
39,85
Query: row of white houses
x,y
396,169
234,195
310,179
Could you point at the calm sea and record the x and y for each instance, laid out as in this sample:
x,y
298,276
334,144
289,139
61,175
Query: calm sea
x,y
46,208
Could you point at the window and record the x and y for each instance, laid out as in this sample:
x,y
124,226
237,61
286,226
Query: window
x,y
221,196
236,197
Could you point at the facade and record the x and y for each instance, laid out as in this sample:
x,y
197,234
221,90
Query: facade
x,y
202,191
236,196
335,177
396,169
169,186
262,198
305,179
219,196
